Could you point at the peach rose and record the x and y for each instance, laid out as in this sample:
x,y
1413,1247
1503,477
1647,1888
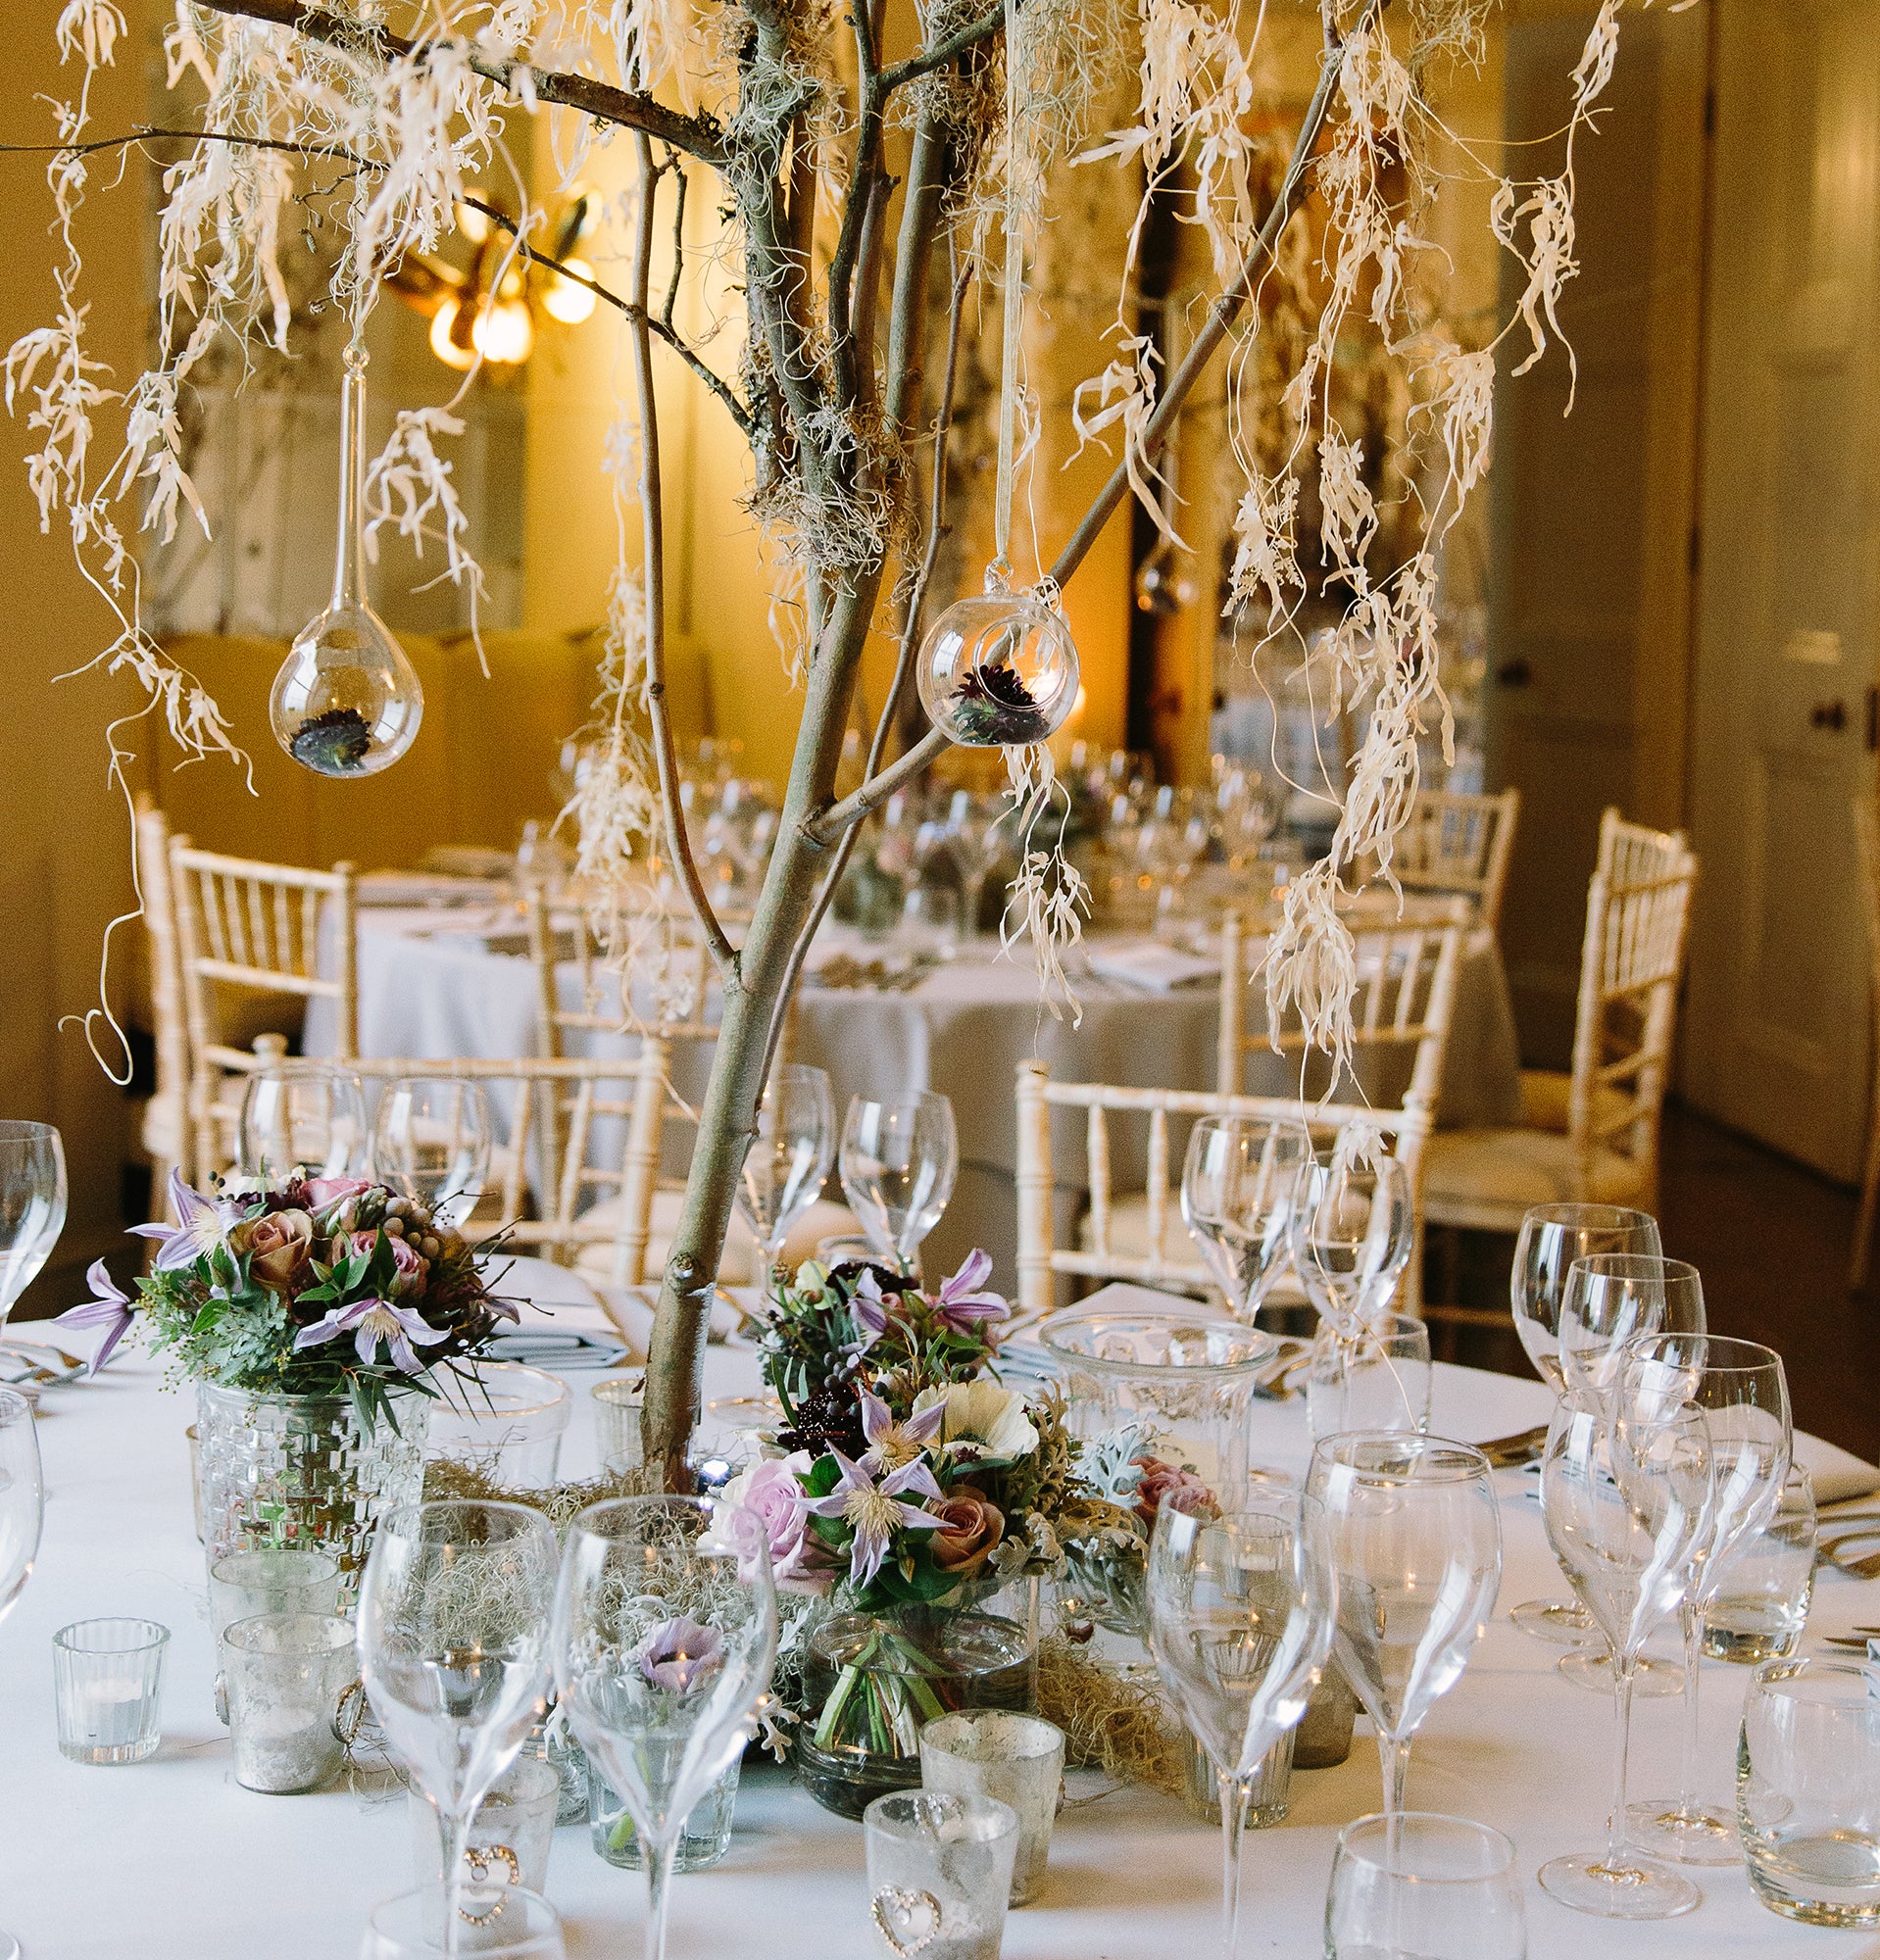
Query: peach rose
x,y
964,1541
278,1245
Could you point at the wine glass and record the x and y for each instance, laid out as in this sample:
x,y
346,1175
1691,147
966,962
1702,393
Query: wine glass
x,y
1352,1228
1237,1184
1743,1394
32,1205
664,1633
303,1114
972,836
898,1162
21,1496
1625,1489
1240,1619
431,1143
1613,1297
790,1155
1410,1530
1552,1238
453,1650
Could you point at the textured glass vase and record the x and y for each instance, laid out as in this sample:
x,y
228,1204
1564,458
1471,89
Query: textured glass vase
x,y
303,1471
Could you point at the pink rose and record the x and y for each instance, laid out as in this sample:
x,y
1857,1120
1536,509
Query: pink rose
x,y
409,1265
771,1492
1171,1483
278,1245
325,1191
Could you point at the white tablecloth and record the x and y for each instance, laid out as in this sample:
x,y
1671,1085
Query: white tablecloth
x,y
171,1860
963,1030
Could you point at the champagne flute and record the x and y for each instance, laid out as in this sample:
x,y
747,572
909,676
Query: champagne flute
x,y
453,1650
972,836
1237,1185
1240,1621
783,1170
22,1502
32,1205
1552,1238
1625,1489
1352,1228
664,1633
898,1161
1608,1299
431,1142
1743,1394
306,1115
1409,1529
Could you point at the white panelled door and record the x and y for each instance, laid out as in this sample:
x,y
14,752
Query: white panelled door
x,y
1783,722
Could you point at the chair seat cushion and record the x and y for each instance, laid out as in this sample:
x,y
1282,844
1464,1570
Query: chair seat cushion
x,y
1129,1239
1488,1177
1546,1093
823,1220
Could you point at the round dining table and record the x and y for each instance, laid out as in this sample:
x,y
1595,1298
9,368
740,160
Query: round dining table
x,y
455,980
171,1859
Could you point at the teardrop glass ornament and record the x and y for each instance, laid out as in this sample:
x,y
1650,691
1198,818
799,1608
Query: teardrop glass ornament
x,y
1000,671
346,700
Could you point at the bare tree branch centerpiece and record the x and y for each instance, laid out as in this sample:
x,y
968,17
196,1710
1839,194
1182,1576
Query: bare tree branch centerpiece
x,y
854,150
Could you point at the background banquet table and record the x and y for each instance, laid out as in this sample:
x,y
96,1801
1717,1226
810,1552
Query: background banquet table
x,y
171,1860
438,983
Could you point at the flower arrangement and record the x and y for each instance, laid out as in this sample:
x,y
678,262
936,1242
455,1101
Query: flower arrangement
x,y
316,1286
914,1485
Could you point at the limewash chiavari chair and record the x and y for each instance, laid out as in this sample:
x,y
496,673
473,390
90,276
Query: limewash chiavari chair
x,y
1634,854
1603,1143
1098,1256
1866,838
167,1133
1458,845
254,928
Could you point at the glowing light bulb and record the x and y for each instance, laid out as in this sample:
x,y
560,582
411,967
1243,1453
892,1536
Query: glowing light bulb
x,y
566,300
443,345
346,700
504,332
1000,671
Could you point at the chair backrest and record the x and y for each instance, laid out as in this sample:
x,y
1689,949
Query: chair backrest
x,y
1459,845
552,1109
1041,1258
1866,847
1631,967
260,929
669,978
167,1129
1405,1000
1634,854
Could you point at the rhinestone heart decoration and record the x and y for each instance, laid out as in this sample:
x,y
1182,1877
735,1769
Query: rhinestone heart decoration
x,y
909,1922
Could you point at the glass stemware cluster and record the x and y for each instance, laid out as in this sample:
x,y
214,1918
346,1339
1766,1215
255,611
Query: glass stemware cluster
x,y
898,1161
656,1625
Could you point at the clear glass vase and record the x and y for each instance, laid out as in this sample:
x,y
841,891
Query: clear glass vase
x,y
870,1682
303,1471
704,1838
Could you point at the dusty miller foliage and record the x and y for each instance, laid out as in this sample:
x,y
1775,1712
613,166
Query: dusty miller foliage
x,y
769,120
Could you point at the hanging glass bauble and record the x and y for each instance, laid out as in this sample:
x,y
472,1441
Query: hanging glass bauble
x,y
346,700
999,670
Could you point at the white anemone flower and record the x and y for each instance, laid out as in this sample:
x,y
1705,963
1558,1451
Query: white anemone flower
x,y
981,1419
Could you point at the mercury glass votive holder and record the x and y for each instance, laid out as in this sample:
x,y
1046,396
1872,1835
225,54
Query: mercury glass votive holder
x,y
618,1403
284,1674
939,1872
510,1837
270,1578
1019,1759
106,1677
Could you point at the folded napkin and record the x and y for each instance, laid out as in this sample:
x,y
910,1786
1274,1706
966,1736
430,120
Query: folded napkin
x,y
1836,1474
1150,965
565,1322
629,1312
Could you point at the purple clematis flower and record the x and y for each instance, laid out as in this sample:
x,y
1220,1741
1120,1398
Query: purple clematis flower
x,y
680,1654
870,1307
892,1444
371,1321
876,1511
199,1228
962,1299
108,1308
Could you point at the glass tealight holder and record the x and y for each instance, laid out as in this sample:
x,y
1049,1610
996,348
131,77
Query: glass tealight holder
x,y
998,670
704,1838
1268,1789
939,1872
617,1405
106,1677
270,1578
510,1837
508,1925
1019,1759
283,1676
1765,1584
507,1424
